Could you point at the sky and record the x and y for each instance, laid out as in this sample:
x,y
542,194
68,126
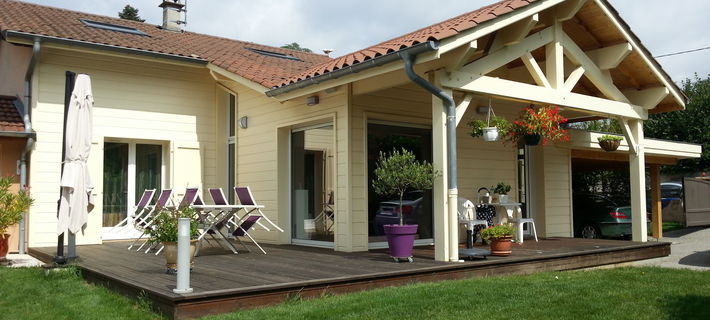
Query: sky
x,y
345,26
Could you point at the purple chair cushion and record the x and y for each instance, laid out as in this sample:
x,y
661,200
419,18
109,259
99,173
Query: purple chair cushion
x,y
245,226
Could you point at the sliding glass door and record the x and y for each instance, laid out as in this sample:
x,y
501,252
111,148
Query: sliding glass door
x,y
312,183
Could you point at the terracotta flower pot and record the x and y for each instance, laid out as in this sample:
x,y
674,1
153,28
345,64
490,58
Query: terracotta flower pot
x,y
609,145
170,253
4,246
501,246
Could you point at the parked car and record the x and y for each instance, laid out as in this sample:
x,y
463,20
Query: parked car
x,y
670,191
597,216
388,211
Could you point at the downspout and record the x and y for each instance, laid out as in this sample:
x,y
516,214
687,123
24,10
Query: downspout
x,y
30,140
450,109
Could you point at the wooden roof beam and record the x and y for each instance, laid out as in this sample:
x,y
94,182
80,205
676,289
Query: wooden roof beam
x,y
461,56
514,33
535,71
563,11
517,91
463,106
610,57
647,98
600,78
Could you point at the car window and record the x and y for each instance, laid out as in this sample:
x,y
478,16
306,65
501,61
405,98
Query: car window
x,y
670,192
412,195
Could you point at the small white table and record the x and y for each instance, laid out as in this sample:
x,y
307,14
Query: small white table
x,y
513,213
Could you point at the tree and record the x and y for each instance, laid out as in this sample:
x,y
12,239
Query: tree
x,y
296,46
689,125
130,13
399,172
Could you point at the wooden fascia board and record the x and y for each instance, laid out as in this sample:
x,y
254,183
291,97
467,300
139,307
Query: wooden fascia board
x,y
655,68
236,78
488,27
528,93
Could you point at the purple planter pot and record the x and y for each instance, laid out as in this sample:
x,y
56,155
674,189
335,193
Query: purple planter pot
x,y
401,239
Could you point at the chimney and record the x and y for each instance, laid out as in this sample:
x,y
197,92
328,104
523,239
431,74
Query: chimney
x,y
172,14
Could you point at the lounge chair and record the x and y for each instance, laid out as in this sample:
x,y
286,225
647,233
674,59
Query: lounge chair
x,y
144,222
139,210
246,199
243,231
327,216
215,220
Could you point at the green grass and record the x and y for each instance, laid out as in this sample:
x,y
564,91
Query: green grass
x,y
670,226
30,293
623,293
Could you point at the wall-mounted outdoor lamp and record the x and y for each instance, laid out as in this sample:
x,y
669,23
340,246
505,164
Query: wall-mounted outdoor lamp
x,y
312,100
243,122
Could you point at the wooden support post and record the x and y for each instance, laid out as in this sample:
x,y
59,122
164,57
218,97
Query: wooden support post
x,y
638,183
656,209
439,151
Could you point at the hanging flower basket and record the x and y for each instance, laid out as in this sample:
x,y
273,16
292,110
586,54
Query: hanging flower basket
x,y
531,139
538,125
492,129
609,143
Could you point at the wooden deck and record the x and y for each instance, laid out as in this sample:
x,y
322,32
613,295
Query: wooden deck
x,y
225,282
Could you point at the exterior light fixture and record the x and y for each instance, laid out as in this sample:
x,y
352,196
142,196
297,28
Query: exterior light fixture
x,y
312,100
243,122
482,109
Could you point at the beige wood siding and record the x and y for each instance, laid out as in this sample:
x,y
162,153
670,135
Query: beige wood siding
x,y
135,100
262,149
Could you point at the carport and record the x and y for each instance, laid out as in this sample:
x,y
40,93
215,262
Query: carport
x,y
587,156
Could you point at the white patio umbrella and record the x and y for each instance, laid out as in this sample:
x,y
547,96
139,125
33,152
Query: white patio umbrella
x,y
76,200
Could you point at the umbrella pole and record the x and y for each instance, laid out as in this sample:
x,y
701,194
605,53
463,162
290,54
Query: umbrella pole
x,y
60,258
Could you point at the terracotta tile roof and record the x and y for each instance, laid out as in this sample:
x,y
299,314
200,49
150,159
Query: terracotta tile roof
x,y
437,32
10,119
229,54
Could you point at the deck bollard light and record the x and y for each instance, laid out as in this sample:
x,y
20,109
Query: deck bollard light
x,y
183,257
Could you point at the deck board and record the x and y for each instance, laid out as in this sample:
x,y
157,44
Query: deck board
x,y
223,281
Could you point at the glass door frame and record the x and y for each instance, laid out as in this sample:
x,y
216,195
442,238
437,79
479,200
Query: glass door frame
x,y
303,242
129,232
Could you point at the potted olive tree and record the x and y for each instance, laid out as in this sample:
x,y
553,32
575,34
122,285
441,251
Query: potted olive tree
x,y
165,231
12,206
396,174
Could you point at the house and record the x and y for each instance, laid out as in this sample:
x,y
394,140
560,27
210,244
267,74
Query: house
x,y
176,109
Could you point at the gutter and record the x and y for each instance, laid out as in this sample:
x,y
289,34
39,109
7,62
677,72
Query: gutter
x,y
355,68
450,109
27,104
9,34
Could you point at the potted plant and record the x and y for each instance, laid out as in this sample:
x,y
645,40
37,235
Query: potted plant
x,y
491,130
165,231
12,206
609,142
536,125
396,174
500,237
502,189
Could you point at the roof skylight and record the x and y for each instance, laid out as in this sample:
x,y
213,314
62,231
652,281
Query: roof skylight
x,y
274,54
112,27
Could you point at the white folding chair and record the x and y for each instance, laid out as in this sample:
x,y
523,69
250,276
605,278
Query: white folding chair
x,y
138,210
144,222
246,199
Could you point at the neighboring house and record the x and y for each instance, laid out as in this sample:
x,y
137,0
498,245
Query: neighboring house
x,y
176,109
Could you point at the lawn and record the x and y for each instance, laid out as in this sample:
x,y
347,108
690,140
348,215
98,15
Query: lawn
x,y
622,293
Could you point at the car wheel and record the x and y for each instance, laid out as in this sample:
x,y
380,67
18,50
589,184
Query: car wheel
x,y
590,232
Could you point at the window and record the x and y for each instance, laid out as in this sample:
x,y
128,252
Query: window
x,y
112,27
274,54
